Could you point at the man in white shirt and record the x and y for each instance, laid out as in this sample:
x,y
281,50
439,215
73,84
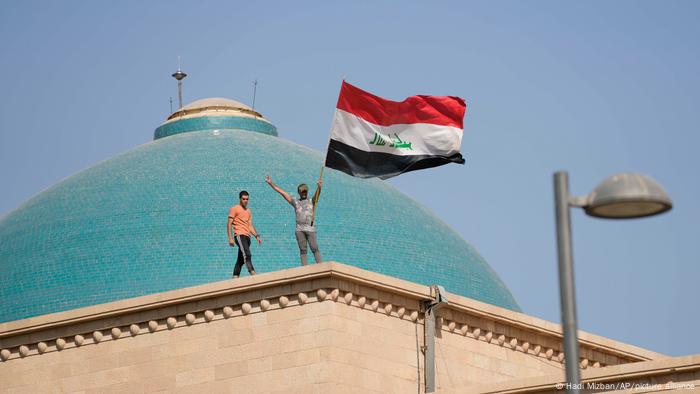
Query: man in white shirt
x,y
304,208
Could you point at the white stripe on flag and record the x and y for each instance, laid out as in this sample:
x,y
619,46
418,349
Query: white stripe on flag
x,y
424,139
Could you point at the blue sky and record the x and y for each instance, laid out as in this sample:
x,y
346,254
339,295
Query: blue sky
x,y
594,88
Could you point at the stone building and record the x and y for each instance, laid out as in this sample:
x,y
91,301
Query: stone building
x,y
116,279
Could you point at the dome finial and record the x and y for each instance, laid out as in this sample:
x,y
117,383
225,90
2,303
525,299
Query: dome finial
x,y
179,75
214,113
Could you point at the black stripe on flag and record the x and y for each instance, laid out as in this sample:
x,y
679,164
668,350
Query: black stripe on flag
x,y
362,164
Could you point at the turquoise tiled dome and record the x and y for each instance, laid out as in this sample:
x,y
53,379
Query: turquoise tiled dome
x,y
154,219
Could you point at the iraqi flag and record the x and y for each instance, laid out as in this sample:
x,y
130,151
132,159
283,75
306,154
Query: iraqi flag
x,y
374,137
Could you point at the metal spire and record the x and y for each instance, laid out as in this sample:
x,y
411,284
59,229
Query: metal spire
x,y
255,89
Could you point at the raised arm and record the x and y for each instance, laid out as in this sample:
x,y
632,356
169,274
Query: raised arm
x,y
318,191
278,189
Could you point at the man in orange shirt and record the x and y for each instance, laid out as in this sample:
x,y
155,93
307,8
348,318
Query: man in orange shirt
x,y
241,219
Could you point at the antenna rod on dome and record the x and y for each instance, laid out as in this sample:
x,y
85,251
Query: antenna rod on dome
x,y
255,89
171,105
179,75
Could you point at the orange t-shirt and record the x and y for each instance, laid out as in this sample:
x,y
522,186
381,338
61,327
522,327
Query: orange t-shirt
x,y
241,220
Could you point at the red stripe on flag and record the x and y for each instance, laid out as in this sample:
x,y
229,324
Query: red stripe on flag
x,y
437,110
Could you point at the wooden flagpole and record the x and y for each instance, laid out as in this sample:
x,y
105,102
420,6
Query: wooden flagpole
x,y
320,178
323,166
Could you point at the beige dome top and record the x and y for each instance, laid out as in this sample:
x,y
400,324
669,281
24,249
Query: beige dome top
x,y
215,102
215,106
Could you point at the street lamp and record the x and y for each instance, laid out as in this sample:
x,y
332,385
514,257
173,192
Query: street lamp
x,y
620,196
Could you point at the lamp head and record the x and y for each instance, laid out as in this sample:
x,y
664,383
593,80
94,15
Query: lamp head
x,y
179,75
626,196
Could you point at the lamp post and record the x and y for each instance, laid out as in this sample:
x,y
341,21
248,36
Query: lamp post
x,y
620,196
179,76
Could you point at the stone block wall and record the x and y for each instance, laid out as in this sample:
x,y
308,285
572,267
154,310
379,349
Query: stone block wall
x,y
321,328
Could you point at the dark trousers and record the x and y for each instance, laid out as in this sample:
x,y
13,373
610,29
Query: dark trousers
x,y
243,243
304,238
